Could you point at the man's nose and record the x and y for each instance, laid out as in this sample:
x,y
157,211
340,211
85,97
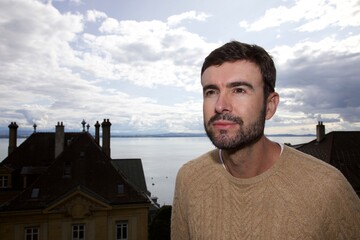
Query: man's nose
x,y
223,104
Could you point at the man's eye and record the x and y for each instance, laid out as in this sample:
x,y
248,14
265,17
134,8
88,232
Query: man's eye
x,y
209,92
239,90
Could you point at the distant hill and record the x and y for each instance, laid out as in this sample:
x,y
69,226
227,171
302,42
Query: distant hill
x,y
25,133
4,133
202,135
291,135
162,135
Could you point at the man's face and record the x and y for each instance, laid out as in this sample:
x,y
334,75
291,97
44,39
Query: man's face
x,y
233,107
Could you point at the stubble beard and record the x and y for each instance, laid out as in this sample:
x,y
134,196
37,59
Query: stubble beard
x,y
245,136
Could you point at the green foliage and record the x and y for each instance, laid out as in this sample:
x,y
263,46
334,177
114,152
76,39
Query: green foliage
x,y
159,228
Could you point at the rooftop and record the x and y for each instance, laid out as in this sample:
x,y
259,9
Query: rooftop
x,y
340,149
81,165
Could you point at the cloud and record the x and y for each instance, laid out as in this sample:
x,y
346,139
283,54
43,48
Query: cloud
x,y
43,30
129,50
320,78
190,15
312,15
94,15
144,75
54,70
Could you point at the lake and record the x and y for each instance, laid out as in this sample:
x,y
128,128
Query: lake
x,y
161,157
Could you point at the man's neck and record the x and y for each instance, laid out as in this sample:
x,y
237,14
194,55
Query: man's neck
x,y
252,160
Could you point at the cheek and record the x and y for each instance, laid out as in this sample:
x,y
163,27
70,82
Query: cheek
x,y
248,110
257,111
208,110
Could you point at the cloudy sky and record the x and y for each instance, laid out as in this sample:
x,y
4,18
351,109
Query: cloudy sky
x,y
137,62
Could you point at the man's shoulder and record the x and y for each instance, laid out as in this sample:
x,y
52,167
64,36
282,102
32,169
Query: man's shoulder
x,y
206,159
203,164
198,175
301,160
321,182
313,172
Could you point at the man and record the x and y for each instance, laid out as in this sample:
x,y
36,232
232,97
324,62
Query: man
x,y
251,187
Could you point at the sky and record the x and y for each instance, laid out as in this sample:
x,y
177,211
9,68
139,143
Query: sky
x,y
137,62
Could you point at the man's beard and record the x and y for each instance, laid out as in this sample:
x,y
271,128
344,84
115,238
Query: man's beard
x,y
245,136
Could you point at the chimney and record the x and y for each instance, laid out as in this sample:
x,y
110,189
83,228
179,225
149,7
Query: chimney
x,y
59,139
106,136
97,132
83,123
12,137
320,131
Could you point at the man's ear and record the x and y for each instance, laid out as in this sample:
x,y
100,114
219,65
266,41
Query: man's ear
x,y
271,106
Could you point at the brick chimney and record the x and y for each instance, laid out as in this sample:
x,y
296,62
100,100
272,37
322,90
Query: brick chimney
x,y
106,136
97,132
320,131
59,139
12,137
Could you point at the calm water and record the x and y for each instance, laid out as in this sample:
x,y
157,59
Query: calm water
x,y
161,157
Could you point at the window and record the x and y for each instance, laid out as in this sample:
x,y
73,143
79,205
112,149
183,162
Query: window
x,y
35,193
4,181
122,230
120,188
78,232
32,233
67,169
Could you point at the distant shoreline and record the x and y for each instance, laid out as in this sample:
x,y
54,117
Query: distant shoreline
x,y
172,135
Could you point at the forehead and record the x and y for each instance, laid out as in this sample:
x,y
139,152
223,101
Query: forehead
x,y
232,71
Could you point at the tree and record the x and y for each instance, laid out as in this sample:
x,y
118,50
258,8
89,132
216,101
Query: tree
x,y
159,228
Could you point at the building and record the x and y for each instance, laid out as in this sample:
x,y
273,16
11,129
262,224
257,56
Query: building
x,y
65,186
341,149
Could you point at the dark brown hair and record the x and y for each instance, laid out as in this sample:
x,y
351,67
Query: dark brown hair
x,y
235,51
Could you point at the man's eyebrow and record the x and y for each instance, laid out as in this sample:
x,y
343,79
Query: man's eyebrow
x,y
210,86
228,85
239,83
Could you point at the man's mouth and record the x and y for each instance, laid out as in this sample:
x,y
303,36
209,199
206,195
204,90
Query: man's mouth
x,y
224,121
223,124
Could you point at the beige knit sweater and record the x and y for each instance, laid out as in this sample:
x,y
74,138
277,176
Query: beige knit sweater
x,y
299,197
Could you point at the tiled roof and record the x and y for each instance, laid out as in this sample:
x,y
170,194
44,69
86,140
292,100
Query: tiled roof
x,y
91,169
340,149
38,150
133,169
